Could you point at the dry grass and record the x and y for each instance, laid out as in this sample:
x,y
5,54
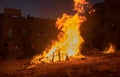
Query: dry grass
x,y
93,66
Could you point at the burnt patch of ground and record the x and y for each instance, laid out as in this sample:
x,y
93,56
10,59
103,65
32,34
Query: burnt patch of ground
x,y
96,65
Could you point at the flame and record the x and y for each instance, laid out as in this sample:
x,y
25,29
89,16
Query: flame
x,y
110,50
79,5
68,44
92,11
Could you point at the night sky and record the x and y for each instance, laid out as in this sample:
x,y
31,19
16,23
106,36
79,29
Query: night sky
x,y
41,8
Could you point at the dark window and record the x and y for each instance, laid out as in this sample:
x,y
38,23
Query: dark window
x,y
9,32
25,33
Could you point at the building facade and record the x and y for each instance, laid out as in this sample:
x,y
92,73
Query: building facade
x,y
112,16
25,36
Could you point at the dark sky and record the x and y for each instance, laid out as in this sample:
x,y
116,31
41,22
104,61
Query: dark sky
x,y
41,8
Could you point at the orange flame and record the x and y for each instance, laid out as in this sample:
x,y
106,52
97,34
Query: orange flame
x,y
79,5
69,41
110,50
92,11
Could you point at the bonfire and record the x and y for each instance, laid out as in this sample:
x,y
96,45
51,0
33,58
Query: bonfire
x,y
68,44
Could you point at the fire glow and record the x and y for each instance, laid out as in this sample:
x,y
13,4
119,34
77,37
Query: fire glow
x,y
68,44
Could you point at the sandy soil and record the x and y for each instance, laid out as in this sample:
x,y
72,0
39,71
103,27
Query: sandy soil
x,y
96,65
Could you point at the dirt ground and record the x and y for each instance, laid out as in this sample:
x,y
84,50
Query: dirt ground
x,y
94,65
